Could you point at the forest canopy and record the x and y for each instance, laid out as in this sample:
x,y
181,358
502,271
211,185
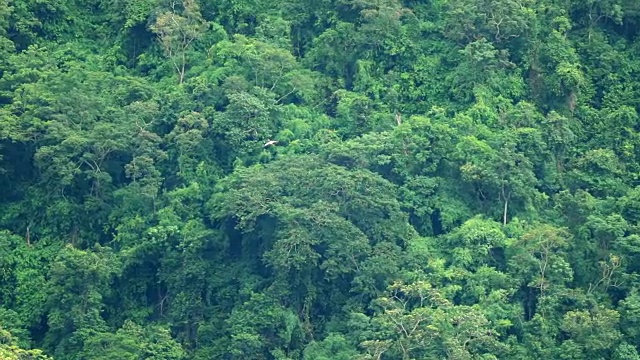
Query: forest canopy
x,y
319,179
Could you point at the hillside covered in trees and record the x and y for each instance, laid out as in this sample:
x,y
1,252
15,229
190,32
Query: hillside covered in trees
x,y
319,179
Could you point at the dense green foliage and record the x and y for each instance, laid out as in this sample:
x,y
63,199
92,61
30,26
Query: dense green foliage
x,y
452,179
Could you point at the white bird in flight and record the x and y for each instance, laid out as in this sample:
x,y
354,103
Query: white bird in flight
x,y
270,142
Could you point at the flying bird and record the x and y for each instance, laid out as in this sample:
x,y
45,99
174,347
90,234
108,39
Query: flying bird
x,y
270,142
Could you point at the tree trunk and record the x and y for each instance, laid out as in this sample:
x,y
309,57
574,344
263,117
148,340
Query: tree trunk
x,y
505,198
28,237
182,70
504,215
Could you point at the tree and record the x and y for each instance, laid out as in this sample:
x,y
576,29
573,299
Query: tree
x,y
300,219
132,342
10,351
495,20
537,257
420,321
177,28
499,168
78,283
334,346
592,332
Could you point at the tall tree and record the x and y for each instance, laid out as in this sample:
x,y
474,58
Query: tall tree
x,y
177,28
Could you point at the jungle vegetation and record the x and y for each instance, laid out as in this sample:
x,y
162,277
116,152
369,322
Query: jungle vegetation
x,y
319,179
